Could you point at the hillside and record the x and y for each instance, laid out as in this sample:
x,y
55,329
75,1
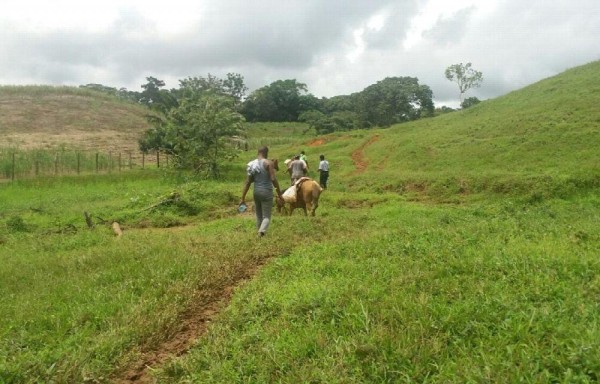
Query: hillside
x,y
48,117
540,137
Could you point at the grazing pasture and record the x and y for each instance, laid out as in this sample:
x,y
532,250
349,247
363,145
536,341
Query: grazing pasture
x,y
462,248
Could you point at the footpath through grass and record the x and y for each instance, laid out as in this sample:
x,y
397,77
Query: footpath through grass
x,y
81,305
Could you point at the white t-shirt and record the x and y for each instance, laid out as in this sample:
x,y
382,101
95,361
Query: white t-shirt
x,y
324,165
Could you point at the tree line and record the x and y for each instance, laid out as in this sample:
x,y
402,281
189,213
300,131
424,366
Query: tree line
x,y
198,121
389,101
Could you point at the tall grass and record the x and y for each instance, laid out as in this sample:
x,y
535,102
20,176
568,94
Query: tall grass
x,y
18,163
490,293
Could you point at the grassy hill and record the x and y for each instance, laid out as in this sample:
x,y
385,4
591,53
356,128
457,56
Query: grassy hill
x,y
539,137
34,117
388,284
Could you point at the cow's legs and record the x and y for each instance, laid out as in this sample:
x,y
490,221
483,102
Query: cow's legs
x,y
308,208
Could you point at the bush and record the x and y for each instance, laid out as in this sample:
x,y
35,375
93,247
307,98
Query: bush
x,y
16,224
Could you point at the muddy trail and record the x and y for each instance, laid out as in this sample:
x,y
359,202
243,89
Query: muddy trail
x,y
358,155
193,324
208,303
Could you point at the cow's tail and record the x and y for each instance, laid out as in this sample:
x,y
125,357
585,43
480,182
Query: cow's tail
x,y
316,192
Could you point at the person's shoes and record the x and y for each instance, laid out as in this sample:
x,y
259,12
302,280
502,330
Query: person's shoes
x,y
261,234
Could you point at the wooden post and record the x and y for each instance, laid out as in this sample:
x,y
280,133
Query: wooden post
x,y
130,163
96,162
78,163
143,159
158,158
88,220
12,177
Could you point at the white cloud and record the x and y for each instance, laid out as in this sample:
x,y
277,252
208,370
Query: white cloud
x,y
334,47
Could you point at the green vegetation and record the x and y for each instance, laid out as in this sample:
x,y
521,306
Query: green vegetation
x,y
462,248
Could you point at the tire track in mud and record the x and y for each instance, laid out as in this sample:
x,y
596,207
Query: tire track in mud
x,y
358,156
193,324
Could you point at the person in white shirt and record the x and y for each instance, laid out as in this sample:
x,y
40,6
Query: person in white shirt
x,y
323,171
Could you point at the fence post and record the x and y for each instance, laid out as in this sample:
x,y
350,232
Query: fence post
x,y
78,163
12,176
130,164
143,160
96,162
158,158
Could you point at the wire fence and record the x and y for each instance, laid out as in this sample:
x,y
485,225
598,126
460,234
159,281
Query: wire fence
x,y
21,164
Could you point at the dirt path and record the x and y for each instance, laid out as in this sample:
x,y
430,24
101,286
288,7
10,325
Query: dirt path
x,y
193,324
358,155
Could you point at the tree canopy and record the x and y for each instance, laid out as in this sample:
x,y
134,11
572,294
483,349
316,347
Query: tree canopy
x,y
465,76
394,100
282,100
195,122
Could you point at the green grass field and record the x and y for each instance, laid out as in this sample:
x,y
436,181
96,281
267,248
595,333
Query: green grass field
x,y
462,248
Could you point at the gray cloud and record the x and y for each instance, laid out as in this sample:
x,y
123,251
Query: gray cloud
x,y
513,45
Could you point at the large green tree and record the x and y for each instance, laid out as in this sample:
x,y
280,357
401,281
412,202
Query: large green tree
x,y
198,121
465,77
200,130
394,100
232,86
282,100
155,97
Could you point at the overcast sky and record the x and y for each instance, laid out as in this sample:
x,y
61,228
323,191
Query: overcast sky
x,y
336,47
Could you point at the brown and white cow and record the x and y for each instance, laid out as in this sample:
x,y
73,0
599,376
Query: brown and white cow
x,y
307,198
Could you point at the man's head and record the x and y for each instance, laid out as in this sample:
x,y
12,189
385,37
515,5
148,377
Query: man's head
x,y
322,157
264,151
302,153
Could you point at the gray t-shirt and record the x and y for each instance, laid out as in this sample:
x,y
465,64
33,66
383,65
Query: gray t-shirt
x,y
297,167
262,179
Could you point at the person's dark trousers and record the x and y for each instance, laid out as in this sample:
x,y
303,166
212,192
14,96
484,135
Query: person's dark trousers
x,y
324,175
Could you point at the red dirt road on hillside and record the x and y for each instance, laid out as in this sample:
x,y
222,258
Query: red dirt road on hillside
x,y
358,155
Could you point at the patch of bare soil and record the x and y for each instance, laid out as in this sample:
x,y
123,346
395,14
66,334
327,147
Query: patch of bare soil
x,y
193,324
358,156
316,143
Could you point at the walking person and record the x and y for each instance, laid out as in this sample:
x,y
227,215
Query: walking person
x,y
323,171
261,172
297,169
304,158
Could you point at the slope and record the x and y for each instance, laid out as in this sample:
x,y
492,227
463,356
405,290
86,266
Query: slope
x,y
48,117
547,133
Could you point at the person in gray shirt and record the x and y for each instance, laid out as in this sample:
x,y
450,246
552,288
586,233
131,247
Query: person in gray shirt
x,y
297,169
261,172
